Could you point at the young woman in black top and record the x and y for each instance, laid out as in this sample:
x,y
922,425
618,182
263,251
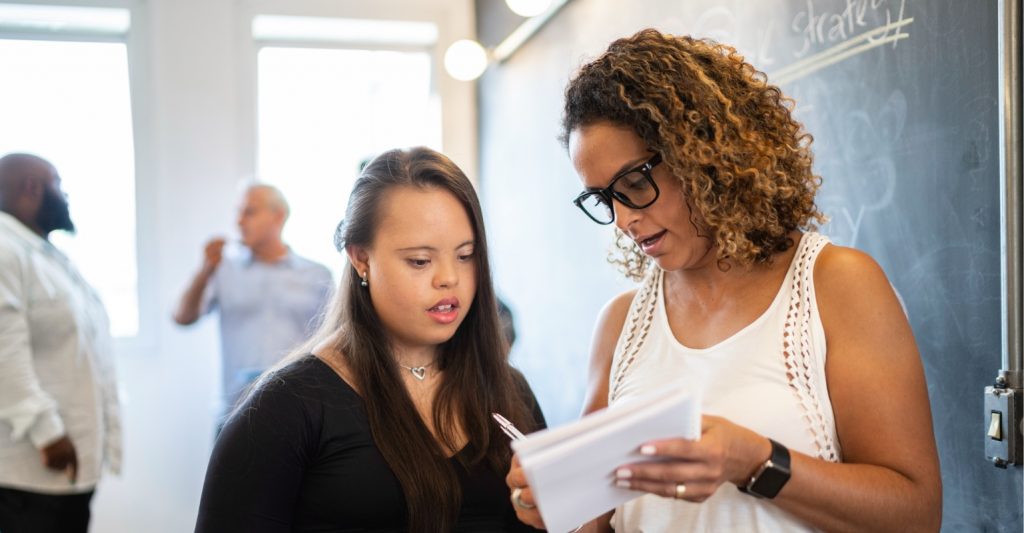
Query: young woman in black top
x,y
382,421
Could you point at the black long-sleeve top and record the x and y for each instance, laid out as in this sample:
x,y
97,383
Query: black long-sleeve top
x,y
299,456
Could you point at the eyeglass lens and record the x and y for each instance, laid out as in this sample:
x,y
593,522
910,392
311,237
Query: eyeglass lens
x,y
633,189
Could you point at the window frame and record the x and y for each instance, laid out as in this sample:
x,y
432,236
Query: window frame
x,y
136,47
458,114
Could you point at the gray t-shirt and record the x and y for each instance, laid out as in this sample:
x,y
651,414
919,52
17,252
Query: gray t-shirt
x,y
266,309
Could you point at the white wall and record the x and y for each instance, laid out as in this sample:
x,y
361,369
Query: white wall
x,y
193,96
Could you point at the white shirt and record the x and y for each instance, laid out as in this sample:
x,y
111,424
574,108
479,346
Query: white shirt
x,y
56,367
768,377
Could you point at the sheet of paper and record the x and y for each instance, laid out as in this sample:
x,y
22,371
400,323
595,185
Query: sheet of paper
x,y
571,468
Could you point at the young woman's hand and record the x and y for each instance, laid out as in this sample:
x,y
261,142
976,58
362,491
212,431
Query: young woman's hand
x,y
522,496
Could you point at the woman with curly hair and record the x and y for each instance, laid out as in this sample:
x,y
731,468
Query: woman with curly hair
x,y
814,398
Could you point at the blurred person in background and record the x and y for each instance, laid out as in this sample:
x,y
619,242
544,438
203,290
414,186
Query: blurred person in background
x,y
508,322
268,297
59,415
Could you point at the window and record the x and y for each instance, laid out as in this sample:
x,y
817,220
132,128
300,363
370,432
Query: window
x,y
71,106
325,107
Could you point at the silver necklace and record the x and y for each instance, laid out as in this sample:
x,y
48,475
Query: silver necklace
x,y
419,372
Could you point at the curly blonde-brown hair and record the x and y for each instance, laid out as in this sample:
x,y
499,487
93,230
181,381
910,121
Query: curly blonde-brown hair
x,y
725,133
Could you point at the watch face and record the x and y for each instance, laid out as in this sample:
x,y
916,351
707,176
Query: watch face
x,y
770,482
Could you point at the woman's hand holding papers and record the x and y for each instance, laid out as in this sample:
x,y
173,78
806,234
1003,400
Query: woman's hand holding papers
x,y
694,469
526,507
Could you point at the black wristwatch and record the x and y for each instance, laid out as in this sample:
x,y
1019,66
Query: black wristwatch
x,y
771,476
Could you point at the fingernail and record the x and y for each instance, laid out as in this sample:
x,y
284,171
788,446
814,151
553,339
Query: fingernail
x,y
622,484
647,449
623,473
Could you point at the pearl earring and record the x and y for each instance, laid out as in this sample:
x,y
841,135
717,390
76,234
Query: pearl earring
x,y
364,283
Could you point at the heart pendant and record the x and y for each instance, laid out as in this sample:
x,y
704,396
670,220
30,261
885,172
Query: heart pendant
x,y
419,371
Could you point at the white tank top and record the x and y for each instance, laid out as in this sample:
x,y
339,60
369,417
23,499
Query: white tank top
x,y
768,377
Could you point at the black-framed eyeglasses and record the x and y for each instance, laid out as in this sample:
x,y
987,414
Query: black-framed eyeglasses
x,y
634,188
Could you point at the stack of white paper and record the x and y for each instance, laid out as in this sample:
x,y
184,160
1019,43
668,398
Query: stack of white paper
x,y
571,468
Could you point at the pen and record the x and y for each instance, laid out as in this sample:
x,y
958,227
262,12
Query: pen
x,y
509,429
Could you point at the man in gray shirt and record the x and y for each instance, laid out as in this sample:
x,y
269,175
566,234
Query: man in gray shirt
x,y
269,299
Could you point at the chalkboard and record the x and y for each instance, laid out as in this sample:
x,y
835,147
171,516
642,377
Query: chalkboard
x,y
901,97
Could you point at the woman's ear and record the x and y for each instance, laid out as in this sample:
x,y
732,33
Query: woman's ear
x,y
359,258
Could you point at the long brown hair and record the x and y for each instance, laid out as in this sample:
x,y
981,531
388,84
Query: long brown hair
x,y
477,377
728,136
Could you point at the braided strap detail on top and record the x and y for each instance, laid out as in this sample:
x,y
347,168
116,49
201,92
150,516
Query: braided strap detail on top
x,y
638,324
798,357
